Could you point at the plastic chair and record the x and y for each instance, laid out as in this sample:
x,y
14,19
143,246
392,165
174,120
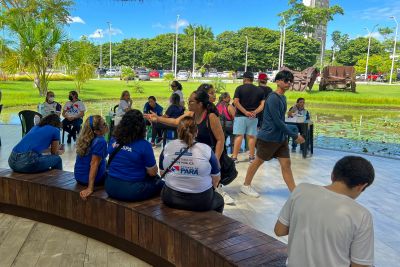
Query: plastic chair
x,y
27,118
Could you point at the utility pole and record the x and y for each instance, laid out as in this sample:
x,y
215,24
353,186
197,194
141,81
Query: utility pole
x,y
194,51
247,49
109,36
394,49
369,46
176,45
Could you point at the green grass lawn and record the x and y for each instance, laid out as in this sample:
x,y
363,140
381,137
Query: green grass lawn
x,y
24,94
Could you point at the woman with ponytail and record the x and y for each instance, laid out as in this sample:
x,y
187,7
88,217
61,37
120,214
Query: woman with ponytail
x,y
190,181
91,150
205,114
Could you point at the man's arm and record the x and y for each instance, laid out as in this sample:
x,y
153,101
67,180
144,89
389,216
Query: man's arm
x,y
260,107
241,108
273,108
281,229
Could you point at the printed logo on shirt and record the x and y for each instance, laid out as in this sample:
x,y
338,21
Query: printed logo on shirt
x,y
185,170
126,148
187,153
74,108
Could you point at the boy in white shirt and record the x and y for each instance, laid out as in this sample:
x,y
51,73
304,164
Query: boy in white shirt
x,y
326,226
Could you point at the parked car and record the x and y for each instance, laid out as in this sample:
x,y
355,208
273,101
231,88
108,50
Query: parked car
x,y
255,75
154,74
113,72
143,75
271,75
182,75
239,74
196,74
101,71
211,74
373,77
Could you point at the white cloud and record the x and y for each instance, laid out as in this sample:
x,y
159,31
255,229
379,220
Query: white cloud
x,y
71,20
375,35
380,13
112,31
159,25
181,23
97,34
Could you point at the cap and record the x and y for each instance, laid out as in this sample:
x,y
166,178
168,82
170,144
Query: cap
x,y
248,75
262,76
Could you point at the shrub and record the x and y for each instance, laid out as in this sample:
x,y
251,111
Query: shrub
x,y
137,87
169,77
219,85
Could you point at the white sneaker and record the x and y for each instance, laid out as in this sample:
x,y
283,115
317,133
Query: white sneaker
x,y
248,190
228,200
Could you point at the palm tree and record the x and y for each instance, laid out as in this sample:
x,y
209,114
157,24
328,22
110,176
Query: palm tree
x,y
202,32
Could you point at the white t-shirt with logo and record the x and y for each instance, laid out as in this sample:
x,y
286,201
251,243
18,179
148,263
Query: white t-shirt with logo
x,y
193,171
74,108
326,229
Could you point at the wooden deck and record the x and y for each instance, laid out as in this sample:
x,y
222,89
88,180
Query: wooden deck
x,y
381,199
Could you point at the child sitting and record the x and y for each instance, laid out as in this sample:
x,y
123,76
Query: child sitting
x,y
91,149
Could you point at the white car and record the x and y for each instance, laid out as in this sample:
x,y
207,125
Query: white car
x,y
182,75
271,75
112,72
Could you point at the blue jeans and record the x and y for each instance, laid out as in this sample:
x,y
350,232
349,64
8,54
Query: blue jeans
x,y
32,162
133,191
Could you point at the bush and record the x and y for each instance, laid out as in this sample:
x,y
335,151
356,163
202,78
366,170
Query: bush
x,y
169,77
53,77
219,85
137,87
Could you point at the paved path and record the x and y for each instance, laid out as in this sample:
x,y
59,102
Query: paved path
x,y
382,199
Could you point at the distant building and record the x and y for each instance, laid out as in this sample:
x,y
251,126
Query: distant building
x,y
320,32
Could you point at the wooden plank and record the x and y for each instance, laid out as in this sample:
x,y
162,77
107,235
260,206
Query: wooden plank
x,y
33,245
120,221
145,231
177,249
128,224
110,217
14,240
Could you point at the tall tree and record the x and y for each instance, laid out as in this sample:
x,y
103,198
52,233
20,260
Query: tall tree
x,y
305,20
36,29
338,41
355,49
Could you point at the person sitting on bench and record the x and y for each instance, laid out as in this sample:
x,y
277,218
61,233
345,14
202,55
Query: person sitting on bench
x,y
132,172
91,150
191,181
27,156
73,112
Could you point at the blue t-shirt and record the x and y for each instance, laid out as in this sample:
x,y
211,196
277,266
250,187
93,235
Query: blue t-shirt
x,y
174,111
157,109
131,161
82,164
38,139
273,128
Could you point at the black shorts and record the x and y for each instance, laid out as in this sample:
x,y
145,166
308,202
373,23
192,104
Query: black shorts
x,y
268,150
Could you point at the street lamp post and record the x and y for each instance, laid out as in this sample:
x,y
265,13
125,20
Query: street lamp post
x,y
194,51
369,47
247,49
321,60
109,36
280,48
283,42
173,56
394,48
176,44
101,51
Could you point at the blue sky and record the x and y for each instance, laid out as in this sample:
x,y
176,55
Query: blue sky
x,y
152,17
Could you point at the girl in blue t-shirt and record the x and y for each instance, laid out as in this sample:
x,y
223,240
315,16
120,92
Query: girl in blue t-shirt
x,y
27,156
133,169
91,150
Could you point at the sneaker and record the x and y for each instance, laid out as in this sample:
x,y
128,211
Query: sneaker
x,y
228,200
248,190
235,160
251,159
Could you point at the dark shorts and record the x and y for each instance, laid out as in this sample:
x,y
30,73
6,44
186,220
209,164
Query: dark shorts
x,y
269,150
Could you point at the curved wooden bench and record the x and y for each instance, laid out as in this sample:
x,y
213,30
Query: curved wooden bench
x,y
148,230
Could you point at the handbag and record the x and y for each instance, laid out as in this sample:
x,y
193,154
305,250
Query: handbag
x,y
228,167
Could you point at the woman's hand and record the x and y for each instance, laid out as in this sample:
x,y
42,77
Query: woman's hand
x,y
152,117
85,193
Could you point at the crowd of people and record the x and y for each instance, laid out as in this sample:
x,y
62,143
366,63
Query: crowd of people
x,y
188,173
